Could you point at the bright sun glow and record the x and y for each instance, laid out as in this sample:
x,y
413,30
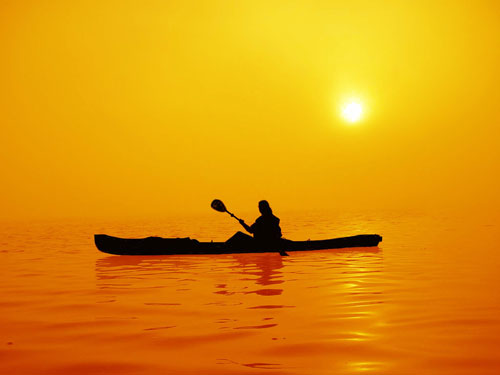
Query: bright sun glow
x,y
352,111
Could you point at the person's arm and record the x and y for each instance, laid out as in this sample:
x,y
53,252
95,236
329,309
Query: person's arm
x,y
244,225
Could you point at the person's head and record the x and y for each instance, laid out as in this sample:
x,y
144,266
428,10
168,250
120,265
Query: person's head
x,y
264,208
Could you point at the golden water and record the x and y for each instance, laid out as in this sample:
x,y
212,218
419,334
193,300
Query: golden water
x,y
427,301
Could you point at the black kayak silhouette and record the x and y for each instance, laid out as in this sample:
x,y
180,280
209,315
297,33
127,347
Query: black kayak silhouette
x,y
179,246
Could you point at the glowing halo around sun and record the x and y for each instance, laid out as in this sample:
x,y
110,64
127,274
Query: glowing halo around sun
x,y
352,111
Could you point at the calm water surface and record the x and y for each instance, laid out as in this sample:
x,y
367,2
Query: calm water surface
x,y
426,301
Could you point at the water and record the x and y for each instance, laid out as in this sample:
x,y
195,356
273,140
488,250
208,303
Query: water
x,y
425,301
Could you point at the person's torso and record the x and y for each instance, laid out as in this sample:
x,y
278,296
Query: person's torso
x,y
267,228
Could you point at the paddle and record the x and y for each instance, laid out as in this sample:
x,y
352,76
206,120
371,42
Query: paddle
x,y
218,205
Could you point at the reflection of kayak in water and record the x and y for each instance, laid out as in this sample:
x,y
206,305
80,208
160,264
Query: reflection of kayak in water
x,y
179,246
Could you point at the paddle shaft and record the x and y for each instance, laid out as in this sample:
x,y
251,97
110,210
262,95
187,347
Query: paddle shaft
x,y
232,215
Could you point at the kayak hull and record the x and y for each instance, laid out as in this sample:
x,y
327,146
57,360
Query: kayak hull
x,y
179,246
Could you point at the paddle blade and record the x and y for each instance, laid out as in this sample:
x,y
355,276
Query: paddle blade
x,y
217,205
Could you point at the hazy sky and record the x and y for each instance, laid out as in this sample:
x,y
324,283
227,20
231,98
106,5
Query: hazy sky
x,y
137,108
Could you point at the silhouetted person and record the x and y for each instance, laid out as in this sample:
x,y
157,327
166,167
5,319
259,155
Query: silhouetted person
x,y
266,229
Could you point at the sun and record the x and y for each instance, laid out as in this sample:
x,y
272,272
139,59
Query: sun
x,y
352,111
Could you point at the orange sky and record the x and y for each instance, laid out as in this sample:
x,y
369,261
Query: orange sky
x,y
112,108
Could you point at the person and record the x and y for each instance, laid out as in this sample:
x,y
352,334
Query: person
x,y
266,228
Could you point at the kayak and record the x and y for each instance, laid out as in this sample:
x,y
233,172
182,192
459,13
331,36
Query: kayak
x,y
179,246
